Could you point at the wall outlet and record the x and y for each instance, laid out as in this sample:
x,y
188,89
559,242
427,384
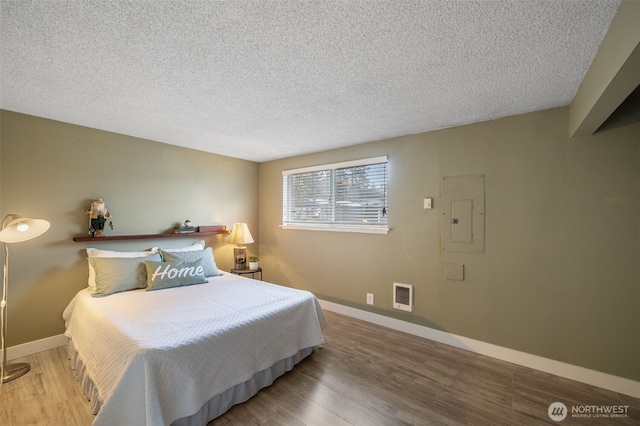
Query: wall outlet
x,y
369,298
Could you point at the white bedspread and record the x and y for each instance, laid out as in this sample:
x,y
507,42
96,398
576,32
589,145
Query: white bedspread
x,y
158,356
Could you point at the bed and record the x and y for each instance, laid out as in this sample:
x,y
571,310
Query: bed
x,y
184,355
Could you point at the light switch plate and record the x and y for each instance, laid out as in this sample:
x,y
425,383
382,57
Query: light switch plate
x,y
428,203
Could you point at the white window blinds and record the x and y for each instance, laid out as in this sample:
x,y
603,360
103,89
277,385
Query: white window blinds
x,y
349,196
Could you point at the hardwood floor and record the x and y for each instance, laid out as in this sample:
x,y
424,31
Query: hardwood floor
x,y
363,375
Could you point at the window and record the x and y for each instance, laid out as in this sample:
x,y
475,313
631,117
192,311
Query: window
x,y
351,196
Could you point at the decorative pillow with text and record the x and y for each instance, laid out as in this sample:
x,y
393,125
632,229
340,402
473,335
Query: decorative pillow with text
x,y
174,274
210,267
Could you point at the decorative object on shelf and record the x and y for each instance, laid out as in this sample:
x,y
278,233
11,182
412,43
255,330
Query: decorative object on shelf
x,y
184,229
17,230
254,263
211,228
240,235
98,215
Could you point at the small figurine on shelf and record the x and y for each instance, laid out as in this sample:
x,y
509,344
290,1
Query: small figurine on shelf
x,y
98,215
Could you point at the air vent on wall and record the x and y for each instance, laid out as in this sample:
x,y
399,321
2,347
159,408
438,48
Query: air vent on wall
x,y
403,297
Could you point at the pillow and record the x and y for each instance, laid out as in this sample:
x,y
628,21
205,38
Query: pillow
x,y
195,246
93,252
174,274
210,267
116,274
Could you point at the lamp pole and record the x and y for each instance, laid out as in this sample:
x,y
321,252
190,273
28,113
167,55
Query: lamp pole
x,y
15,229
14,370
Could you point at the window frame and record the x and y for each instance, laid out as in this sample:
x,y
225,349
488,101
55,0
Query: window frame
x,y
330,226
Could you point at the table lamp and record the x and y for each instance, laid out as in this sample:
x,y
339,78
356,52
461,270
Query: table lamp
x,y
240,235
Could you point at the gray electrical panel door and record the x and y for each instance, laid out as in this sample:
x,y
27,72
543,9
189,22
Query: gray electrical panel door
x,y
463,214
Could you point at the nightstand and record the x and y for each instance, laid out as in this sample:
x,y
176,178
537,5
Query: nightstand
x,y
248,271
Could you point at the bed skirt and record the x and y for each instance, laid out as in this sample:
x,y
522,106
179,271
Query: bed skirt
x,y
220,403
88,388
216,406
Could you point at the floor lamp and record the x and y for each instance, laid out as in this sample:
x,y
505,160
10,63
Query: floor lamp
x,y
15,229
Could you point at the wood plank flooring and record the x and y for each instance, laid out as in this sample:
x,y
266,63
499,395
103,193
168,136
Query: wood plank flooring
x,y
363,375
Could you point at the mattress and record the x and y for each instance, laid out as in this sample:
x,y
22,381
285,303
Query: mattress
x,y
185,353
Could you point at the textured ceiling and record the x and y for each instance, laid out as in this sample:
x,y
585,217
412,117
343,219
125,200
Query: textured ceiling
x,y
262,80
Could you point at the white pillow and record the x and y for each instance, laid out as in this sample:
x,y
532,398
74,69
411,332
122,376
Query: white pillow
x,y
94,252
199,245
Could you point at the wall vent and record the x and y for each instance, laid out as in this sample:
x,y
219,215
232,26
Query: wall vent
x,y
403,297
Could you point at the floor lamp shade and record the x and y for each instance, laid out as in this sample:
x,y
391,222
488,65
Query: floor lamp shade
x,y
15,229
22,229
240,235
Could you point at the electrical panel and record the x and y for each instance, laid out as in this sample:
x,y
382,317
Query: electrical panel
x,y
462,223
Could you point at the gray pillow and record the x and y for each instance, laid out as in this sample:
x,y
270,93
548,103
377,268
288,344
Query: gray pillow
x,y
114,274
174,274
210,268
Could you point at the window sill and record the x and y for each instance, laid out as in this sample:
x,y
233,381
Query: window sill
x,y
337,229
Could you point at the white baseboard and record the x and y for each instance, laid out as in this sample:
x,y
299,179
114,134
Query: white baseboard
x,y
558,368
562,369
36,346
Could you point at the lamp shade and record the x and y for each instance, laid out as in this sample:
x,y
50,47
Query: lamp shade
x,y
240,235
22,229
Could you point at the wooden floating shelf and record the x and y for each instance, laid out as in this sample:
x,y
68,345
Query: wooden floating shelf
x,y
217,230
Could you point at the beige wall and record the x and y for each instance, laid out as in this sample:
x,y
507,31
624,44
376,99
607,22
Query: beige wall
x,y
559,277
613,74
560,274
52,170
